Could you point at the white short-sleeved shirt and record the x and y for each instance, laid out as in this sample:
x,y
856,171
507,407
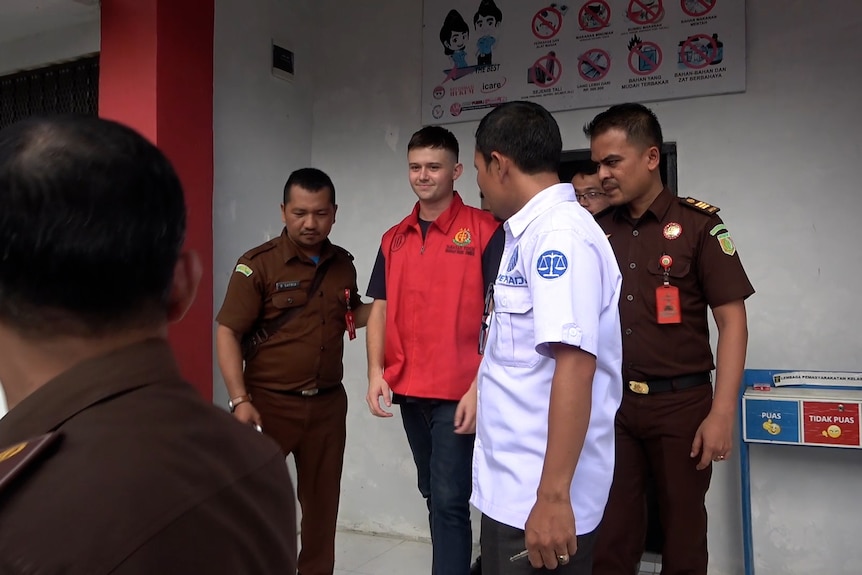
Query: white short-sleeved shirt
x,y
558,283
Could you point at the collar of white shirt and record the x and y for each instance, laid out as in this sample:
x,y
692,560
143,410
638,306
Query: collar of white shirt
x,y
539,204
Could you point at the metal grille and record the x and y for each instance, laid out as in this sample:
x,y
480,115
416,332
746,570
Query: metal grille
x,y
67,88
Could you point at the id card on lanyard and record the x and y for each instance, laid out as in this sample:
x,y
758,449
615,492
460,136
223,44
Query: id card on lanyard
x,y
348,317
667,307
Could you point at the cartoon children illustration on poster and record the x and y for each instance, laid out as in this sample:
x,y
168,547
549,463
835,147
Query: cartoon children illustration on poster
x,y
485,22
454,35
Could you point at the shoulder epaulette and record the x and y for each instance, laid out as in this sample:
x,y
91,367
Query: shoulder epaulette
x,y
699,205
262,248
14,459
343,252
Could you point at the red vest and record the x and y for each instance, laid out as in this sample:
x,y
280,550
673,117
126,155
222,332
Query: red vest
x,y
434,301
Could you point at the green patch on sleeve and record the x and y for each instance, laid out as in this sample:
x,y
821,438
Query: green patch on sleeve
x,y
243,269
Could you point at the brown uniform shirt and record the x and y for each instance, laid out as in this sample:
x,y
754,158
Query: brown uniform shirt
x,y
307,351
146,478
706,269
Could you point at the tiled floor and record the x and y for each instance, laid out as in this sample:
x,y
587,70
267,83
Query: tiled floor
x,y
377,555
363,554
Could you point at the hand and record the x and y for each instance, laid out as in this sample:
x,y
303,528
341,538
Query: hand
x,y
246,413
465,413
714,439
377,388
550,533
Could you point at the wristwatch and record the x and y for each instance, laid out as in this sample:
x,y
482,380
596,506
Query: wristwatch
x,y
237,400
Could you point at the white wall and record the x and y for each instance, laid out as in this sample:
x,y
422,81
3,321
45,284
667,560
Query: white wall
x,y
779,160
49,46
366,106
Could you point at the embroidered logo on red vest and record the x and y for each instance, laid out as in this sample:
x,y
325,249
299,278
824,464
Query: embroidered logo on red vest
x,y
462,238
398,242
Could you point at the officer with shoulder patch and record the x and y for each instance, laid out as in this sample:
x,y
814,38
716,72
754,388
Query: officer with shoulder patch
x,y
288,304
109,461
677,260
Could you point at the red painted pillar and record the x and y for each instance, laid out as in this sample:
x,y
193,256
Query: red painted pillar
x,y
157,77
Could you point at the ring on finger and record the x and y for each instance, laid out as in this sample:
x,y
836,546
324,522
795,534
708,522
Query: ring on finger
x,y
563,559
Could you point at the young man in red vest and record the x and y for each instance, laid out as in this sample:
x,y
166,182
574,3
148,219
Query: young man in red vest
x,y
428,286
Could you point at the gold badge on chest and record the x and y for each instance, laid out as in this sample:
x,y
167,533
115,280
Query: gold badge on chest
x,y
672,231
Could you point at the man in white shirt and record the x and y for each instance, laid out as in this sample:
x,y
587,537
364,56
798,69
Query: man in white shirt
x,y
549,383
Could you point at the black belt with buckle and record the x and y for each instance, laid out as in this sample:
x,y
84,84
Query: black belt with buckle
x,y
308,392
671,384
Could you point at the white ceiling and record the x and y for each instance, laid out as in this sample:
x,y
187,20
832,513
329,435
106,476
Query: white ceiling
x,y
20,18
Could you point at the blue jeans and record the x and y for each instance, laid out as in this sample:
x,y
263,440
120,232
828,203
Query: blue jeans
x,y
444,461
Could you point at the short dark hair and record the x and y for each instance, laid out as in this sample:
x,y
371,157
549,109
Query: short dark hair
x,y
453,22
434,137
92,220
585,168
488,8
310,179
523,131
639,123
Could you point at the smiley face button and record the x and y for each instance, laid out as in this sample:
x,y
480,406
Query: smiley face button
x,y
771,427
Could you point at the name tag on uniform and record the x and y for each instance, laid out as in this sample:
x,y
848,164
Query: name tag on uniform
x,y
280,286
667,296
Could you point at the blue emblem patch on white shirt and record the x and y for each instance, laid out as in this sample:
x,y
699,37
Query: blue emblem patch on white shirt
x,y
552,264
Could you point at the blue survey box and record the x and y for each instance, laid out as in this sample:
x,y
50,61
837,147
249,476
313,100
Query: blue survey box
x,y
771,420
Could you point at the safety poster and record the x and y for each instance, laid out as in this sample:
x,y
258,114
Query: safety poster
x,y
576,54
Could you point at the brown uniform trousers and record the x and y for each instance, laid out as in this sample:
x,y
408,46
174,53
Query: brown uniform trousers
x,y
314,429
654,435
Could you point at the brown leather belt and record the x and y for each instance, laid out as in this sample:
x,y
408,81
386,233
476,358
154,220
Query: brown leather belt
x,y
653,386
308,392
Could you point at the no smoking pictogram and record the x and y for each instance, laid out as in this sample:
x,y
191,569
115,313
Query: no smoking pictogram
x,y
594,16
547,70
696,8
645,11
593,65
694,54
645,58
547,23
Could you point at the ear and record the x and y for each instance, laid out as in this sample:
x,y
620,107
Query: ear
x,y
283,215
334,211
499,165
456,173
653,158
184,286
